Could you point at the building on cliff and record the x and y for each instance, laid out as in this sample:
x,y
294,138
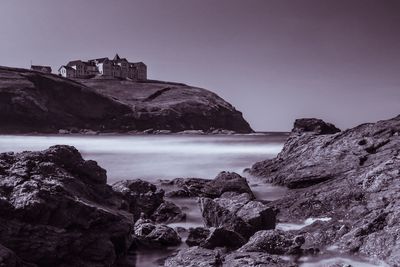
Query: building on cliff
x,y
117,67
45,69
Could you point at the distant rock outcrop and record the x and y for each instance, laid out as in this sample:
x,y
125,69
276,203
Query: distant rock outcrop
x,y
32,101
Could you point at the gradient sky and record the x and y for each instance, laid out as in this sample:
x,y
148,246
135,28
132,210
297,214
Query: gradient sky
x,y
275,60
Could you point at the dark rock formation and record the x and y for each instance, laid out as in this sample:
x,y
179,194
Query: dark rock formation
x,y
140,196
31,101
197,187
237,213
351,177
57,210
168,212
316,126
197,236
150,235
223,238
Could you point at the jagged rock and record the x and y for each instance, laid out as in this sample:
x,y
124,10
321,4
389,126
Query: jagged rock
x,y
274,242
197,187
140,196
237,213
197,236
195,257
168,212
57,210
316,126
351,177
255,259
150,235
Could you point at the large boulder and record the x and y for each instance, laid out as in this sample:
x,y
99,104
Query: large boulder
x,y
147,234
57,210
237,213
140,196
197,187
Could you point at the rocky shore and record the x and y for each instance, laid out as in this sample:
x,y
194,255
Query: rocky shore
x,y
58,210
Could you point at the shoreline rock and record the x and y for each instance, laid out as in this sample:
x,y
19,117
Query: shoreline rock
x,y
350,176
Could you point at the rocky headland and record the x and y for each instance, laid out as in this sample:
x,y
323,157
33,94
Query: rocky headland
x,y
32,101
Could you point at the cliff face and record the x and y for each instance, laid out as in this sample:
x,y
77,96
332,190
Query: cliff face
x,y
351,177
37,102
172,106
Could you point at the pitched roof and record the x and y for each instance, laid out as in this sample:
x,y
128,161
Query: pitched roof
x,y
99,60
117,57
74,62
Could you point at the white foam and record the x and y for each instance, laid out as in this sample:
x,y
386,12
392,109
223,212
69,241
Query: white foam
x,y
298,226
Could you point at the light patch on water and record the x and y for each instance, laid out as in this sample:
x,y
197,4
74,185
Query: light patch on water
x,y
298,226
153,157
340,261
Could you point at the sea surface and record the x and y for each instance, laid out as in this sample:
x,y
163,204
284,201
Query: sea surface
x,y
160,157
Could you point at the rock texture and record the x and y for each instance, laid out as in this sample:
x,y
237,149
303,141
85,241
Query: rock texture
x,y
57,210
237,213
351,177
197,187
150,235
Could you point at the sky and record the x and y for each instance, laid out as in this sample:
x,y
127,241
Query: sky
x,y
274,60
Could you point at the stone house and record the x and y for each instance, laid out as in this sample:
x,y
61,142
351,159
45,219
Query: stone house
x,y
117,67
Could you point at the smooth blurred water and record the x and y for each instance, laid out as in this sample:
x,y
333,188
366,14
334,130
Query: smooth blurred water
x,y
154,157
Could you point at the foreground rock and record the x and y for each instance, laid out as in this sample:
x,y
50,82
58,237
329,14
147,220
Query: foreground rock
x,y
150,235
351,177
274,242
197,187
237,213
142,198
57,210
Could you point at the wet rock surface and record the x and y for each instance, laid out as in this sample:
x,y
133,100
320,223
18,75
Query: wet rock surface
x,y
350,176
237,213
198,187
147,234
